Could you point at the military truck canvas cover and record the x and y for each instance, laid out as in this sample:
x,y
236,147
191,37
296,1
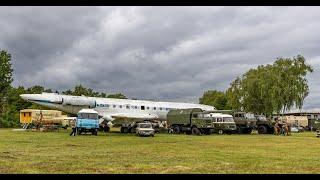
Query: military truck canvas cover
x,y
182,116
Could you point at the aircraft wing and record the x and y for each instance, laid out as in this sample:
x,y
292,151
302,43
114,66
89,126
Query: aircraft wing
x,y
128,116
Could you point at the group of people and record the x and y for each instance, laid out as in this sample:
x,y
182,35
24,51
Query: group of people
x,y
282,128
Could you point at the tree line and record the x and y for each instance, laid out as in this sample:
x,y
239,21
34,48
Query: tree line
x,y
11,103
267,89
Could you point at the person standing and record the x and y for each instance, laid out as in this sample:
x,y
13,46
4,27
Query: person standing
x,y
73,126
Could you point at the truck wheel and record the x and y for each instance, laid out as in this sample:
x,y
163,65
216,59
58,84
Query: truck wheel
x,y
220,131
248,131
125,130
238,130
209,132
262,130
176,130
195,131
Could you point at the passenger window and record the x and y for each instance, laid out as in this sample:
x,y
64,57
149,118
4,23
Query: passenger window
x,y
147,107
154,108
114,106
161,108
128,107
136,107
142,107
120,106
219,120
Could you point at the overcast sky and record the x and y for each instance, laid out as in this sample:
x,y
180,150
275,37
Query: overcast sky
x,y
163,53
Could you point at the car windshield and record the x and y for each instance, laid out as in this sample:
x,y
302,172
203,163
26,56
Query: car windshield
x,y
87,116
228,119
145,126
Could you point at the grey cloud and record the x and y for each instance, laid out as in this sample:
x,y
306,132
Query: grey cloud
x,y
164,53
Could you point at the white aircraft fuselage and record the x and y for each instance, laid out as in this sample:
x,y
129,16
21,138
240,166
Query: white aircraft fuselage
x,y
110,108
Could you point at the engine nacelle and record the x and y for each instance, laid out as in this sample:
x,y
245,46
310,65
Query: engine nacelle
x,y
79,101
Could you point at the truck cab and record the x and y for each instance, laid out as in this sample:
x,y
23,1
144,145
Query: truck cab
x,y
87,121
245,122
264,125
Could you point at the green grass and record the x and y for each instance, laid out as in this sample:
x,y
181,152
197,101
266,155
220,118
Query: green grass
x,y
57,152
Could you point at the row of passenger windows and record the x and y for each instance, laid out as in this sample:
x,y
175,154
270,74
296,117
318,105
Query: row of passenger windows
x,y
133,107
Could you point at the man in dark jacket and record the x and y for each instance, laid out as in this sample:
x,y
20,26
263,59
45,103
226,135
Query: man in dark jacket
x,y
73,126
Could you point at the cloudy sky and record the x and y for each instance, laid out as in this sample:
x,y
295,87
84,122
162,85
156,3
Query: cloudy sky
x,y
162,53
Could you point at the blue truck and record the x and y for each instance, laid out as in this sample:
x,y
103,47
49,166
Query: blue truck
x,y
87,121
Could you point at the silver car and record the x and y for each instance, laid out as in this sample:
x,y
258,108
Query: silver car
x,y
145,129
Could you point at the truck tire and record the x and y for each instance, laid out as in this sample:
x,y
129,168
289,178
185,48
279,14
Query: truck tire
x,y
220,131
238,130
176,130
262,130
248,131
195,131
125,130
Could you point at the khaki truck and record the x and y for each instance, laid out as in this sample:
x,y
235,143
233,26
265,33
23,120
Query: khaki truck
x,y
264,125
195,121
245,122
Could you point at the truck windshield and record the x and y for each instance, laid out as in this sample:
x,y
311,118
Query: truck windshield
x,y
145,126
228,119
87,116
249,116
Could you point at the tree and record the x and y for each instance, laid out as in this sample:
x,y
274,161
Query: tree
x,y
214,98
5,77
271,88
80,90
117,96
5,85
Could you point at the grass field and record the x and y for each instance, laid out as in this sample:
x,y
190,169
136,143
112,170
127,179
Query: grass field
x,y
57,152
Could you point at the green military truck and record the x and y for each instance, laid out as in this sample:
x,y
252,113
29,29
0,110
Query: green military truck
x,y
245,122
195,121
264,125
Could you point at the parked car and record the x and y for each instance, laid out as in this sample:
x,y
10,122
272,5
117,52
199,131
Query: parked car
x,y
145,129
297,129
